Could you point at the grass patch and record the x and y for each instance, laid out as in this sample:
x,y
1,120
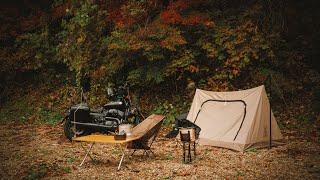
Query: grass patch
x,y
116,151
240,174
169,157
305,118
252,150
70,160
16,111
20,111
37,172
66,169
50,117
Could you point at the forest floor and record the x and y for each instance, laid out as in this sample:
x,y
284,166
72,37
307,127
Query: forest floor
x,y
41,151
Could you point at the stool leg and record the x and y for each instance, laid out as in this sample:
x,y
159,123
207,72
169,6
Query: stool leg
x,y
184,152
189,152
194,148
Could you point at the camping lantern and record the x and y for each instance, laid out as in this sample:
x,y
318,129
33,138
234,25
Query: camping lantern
x,y
126,128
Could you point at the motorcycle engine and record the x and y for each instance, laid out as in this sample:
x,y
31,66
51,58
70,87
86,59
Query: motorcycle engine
x,y
105,119
114,113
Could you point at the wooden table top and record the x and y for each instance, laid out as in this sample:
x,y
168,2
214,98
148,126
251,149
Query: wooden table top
x,y
104,139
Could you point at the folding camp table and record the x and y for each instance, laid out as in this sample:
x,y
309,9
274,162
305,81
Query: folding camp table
x,y
105,139
146,129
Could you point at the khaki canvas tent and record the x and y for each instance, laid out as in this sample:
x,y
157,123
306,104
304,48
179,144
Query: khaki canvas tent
x,y
235,120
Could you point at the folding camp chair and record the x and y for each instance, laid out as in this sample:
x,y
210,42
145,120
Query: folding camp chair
x,y
150,129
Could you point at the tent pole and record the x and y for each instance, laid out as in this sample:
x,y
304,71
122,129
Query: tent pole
x,y
270,133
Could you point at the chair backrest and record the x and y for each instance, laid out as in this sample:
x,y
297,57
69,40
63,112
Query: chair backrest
x,y
152,133
147,128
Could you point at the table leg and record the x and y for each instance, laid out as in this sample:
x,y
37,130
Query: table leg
x,y
89,150
122,157
89,153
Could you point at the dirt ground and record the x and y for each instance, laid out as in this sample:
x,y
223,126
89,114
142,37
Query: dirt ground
x,y
41,151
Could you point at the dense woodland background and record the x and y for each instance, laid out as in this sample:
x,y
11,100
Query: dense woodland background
x,y
164,49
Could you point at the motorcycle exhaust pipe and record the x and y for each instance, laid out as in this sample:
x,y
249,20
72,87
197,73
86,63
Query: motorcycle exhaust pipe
x,y
113,119
91,124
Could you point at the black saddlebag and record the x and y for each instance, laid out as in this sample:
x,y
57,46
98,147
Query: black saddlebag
x,y
80,113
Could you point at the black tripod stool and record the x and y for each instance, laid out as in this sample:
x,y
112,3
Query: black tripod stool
x,y
186,144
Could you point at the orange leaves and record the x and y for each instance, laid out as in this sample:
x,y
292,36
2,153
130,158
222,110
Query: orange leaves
x,y
235,72
193,69
172,14
125,15
173,40
174,17
80,39
99,72
234,48
193,20
209,23
171,17
120,20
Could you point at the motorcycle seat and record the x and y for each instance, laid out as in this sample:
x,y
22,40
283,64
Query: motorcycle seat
x,y
96,114
98,110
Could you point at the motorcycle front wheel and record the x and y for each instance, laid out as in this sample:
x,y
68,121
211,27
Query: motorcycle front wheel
x,y
70,130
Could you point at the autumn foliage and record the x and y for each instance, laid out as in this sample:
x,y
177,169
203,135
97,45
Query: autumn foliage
x,y
146,43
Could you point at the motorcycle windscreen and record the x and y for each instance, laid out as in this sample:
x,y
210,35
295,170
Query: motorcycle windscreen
x,y
220,121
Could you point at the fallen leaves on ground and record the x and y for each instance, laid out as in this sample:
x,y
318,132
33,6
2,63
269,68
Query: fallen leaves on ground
x,y
41,151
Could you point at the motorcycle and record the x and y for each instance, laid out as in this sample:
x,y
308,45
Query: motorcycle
x,y
82,120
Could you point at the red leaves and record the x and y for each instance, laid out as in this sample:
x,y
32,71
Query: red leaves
x,y
174,17
209,23
193,69
126,14
171,17
120,19
172,14
193,20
